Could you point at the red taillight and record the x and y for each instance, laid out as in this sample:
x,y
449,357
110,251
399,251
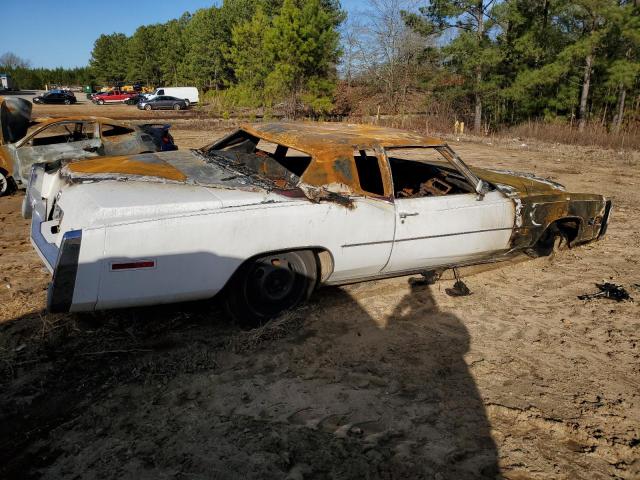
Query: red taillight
x,y
133,265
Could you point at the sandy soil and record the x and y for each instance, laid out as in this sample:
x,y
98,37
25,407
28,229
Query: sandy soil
x,y
386,379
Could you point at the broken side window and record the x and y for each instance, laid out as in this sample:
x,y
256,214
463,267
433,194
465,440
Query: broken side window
x,y
424,172
369,173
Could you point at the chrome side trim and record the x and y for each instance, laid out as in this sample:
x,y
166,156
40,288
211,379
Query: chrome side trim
x,y
426,237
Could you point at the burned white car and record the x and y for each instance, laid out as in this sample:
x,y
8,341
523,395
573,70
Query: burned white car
x,y
24,142
274,210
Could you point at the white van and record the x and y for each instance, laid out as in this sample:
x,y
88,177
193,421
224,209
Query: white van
x,y
188,94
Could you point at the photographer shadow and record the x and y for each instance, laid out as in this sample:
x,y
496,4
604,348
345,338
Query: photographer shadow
x,y
407,369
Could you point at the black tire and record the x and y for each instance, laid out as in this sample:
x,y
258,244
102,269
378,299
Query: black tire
x,y
100,102
148,107
176,106
265,286
67,102
187,102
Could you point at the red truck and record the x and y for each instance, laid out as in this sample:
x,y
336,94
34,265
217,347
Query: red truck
x,y
114,96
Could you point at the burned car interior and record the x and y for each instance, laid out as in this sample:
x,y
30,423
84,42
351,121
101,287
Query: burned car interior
x,y
424,172
416,172
63,133
271,160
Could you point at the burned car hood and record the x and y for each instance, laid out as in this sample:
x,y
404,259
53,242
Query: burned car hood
x,y
15,119
523,184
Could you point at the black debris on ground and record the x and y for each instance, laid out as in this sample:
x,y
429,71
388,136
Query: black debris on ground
x,y
608,290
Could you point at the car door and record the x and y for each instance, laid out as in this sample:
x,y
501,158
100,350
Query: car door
x,y
365,230
164,102
60,141
448,229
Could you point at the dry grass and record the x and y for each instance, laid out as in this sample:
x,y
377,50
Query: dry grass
x,y
594,135
275,329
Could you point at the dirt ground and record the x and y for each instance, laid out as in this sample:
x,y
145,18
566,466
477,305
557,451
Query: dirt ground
x,y
385,379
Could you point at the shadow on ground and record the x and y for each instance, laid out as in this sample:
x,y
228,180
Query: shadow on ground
x,y
328,391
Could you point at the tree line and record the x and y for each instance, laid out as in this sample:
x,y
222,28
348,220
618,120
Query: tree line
x,y
500,63
489,62
26,76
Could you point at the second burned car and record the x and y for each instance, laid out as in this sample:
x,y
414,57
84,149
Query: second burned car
x,y
274,210
24,142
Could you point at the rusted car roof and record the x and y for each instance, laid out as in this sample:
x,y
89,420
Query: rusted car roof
x,y
319,137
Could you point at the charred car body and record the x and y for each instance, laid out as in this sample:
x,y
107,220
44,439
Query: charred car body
x,y
24,142
273,210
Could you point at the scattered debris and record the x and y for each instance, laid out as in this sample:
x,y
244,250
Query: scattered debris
x,y
459,288
608,290
428,277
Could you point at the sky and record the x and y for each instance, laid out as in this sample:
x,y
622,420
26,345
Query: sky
x,y
51,33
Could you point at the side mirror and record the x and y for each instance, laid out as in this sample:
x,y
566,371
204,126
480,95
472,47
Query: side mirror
x,y
482,188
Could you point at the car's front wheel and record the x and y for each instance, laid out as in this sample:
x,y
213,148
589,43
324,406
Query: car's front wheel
x,y
100,102
267,285
67,102
177,106
148,107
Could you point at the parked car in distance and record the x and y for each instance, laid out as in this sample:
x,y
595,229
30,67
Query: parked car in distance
x,y
188,94
24,142
113,96
56,97
274,210
135,99
162,102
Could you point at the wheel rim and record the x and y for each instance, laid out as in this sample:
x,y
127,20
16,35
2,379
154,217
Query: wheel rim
x,y
148,107
274,283
176,107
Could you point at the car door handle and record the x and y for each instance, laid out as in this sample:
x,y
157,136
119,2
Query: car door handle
x,y
90,149
406,214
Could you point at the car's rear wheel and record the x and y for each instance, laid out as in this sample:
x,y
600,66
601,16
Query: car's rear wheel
x,y
187,102
148,107
267,285
177,106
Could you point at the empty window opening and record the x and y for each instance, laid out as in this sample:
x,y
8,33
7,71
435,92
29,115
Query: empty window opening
x,y
424,172
115,130
64,133
269,159
369,172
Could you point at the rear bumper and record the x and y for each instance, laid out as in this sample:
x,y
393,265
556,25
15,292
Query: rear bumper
x,y
62,262
62,286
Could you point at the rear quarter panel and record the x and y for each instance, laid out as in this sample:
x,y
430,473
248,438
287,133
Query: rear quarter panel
x,y
195,255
